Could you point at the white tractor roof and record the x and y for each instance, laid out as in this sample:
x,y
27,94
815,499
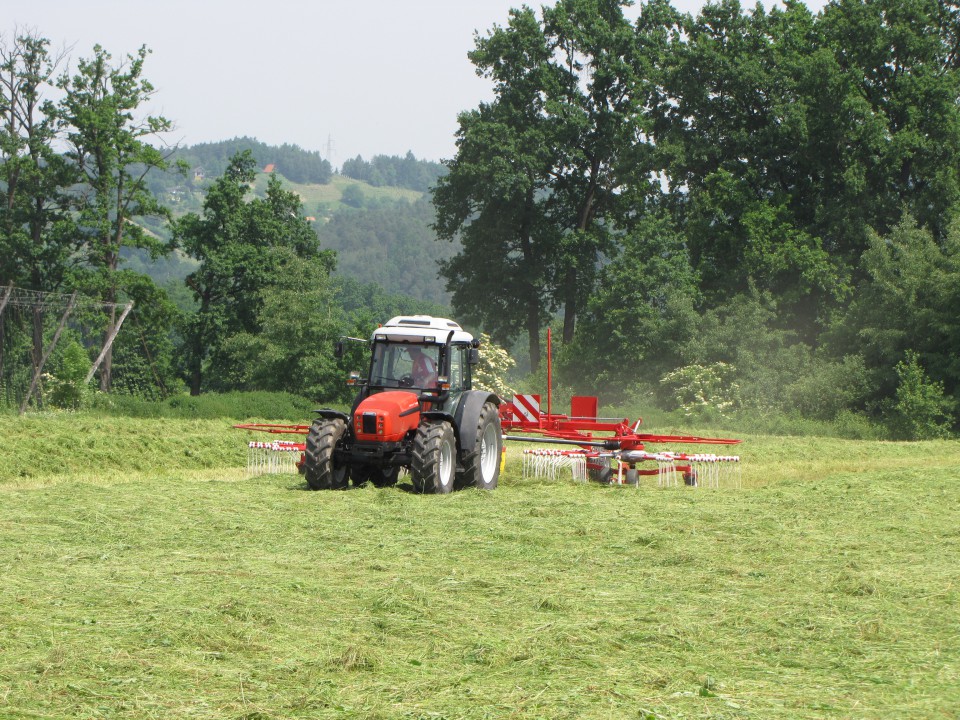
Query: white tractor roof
x,y
420,329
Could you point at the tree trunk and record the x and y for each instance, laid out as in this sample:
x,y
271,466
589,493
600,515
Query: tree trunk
x,y
196,361
195,376
532,299
112,258
37,342
533,334
571,296
106,369
570,305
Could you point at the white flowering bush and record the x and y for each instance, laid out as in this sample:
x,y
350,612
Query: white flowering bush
x,y
704,390
490,373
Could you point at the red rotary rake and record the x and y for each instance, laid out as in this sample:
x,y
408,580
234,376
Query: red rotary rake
x,y
609,449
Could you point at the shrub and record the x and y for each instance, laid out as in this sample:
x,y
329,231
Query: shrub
x,y
827,388
67,388
232,405
920,411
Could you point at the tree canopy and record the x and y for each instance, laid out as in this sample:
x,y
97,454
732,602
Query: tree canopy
x,y
657,177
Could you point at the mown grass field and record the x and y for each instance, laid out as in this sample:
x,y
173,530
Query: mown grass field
x,y
144,575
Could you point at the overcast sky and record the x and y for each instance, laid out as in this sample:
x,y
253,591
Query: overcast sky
x,y
368,77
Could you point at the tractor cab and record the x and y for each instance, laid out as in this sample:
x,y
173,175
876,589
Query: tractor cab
x,y
427,356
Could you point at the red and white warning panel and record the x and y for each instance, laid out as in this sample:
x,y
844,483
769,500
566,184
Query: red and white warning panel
x,y
525,408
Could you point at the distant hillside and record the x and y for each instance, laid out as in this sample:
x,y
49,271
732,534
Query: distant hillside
x,y
322,201
382,235
391,245
385,170
292,161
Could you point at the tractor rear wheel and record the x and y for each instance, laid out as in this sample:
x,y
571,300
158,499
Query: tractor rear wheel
x,y
434,457
320,468
481,463
380,477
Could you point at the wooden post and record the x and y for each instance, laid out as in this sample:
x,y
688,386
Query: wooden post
x,y
109,342
46,355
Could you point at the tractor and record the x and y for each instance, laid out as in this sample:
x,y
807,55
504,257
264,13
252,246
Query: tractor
x,y
415,409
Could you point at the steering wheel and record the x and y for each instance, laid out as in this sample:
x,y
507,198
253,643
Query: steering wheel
x,y
406,381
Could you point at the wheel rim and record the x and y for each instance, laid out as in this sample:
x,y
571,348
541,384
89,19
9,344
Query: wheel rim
x,y
446,464
488,452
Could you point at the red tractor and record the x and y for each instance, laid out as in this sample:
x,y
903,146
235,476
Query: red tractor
x,y
416,410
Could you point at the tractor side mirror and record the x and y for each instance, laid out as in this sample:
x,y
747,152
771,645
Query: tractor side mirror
x,y
473,357
338,350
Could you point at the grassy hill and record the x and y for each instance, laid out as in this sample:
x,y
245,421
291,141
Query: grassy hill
x,y
321,201
146,575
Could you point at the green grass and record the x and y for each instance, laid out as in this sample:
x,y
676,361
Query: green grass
x,y
143,581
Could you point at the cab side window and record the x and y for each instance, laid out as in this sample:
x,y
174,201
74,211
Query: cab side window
x,y
458,368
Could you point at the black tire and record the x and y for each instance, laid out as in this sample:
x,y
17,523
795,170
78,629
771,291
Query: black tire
x,y
633,477
380,477
481,463
433,461
320,469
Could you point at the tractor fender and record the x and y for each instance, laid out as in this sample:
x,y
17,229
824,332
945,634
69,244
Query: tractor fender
x,y
329,414
467,415
444,416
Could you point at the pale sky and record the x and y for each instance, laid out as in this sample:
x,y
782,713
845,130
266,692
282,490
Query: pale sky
x,y
369,77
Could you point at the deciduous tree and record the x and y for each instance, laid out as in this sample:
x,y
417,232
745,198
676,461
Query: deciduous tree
x,y
238,245
109,144
38,238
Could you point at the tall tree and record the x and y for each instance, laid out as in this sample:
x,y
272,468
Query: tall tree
x,y
534,187
37,234
237,243
739,95
786,138
109,144
598,112
493,196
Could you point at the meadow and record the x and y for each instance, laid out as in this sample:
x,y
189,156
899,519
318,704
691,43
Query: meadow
x,y
146,575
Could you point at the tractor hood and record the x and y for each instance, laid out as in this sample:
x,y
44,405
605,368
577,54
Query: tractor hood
x,y
386,416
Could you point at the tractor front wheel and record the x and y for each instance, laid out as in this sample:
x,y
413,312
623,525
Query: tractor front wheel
x,y
434,457
320,468
481,463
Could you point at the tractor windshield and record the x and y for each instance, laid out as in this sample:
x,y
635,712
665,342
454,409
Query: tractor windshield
x,y
405,365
